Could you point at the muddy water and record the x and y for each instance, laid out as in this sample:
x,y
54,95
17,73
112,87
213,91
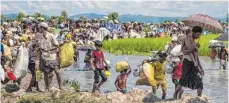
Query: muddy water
x,y
215,80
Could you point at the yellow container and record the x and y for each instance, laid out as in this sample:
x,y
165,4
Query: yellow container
x,y
39,75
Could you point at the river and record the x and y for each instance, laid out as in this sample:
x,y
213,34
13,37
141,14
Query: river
x,y
215,79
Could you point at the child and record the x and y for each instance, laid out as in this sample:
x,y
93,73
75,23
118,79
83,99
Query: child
x,y
160,74
213,53
87,60
31,67
97,64
120,82
223,55
177,73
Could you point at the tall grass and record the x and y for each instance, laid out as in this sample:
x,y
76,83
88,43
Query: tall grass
x,y
143,46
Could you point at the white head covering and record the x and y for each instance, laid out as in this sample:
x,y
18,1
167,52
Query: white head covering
x,y
110,21
116,21
44,25
5,23
174,38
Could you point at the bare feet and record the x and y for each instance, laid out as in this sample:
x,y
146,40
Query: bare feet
x,y
163,96
29,90
46,90
174,96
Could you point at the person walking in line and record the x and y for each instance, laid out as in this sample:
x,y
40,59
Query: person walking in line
x,y
191,67
97,63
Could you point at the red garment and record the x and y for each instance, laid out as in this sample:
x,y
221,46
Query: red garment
x,y
98,59
177,71
11,75
121,79
213,54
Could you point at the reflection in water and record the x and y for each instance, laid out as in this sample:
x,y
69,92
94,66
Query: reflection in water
x,y
215,79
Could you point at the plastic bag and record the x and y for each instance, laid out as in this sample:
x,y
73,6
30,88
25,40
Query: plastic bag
x,y
22,62
11,88
108,73
2,73
176,50
122,66
146,76
66,55
168,67
11,75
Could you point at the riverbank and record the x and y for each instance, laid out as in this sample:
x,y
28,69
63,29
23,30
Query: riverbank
x,y
70,96
143,46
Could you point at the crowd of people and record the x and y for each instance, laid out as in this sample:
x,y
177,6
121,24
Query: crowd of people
x,y
43,42
90,30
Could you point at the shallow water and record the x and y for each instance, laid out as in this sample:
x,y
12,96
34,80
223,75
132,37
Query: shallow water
x,y
215,80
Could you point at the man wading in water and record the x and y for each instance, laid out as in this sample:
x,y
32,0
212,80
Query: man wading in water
x,y
191,64
48,60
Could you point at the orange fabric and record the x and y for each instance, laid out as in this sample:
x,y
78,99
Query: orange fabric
x,y
213,54
162,35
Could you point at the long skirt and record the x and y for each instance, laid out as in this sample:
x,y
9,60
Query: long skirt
x,y
190,76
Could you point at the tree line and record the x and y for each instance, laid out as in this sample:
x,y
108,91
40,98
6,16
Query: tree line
x,y
64,16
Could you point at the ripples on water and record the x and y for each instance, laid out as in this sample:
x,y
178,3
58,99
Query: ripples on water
x,y
215,80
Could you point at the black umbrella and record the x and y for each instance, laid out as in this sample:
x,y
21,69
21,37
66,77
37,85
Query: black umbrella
x,y
223,37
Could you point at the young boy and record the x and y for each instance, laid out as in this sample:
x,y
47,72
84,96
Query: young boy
x,y
87,60
223,55
177,73
120,82
97,64
160,74
31,67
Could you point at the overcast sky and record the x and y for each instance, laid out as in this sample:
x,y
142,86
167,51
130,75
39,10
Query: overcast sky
x,y
151,8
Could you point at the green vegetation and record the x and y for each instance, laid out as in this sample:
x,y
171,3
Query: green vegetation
x,y
20,16
143,46
75,84
64,14
83,18
113,16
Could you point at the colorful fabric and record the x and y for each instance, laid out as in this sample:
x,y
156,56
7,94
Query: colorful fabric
x,y
177,73
159,71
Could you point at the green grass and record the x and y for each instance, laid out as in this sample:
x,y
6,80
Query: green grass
x,y
143,46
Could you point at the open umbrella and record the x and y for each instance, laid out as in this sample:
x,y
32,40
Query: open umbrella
x,y
223,37
206,22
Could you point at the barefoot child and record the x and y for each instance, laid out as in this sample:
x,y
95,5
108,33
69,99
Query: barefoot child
x,y
223,55
160,74
120,82
97,64
177,73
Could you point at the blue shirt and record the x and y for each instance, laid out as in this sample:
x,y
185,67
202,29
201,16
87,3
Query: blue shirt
x,y
161,30
2,48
